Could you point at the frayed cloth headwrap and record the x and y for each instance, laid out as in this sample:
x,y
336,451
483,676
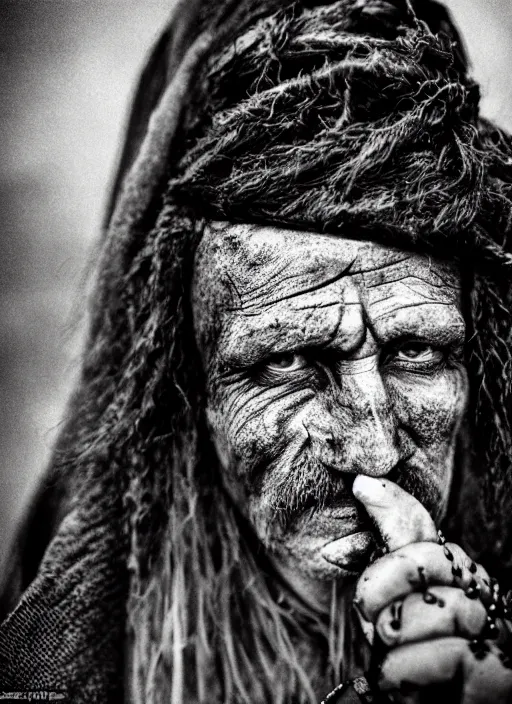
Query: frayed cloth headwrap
x,y
356,118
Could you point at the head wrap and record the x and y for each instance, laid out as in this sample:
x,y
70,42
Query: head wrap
x,y
355,117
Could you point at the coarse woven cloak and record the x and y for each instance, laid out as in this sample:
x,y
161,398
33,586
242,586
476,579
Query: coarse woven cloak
x,y
67,582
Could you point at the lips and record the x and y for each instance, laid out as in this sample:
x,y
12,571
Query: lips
x,y
348,514
340,532
351,551
347,538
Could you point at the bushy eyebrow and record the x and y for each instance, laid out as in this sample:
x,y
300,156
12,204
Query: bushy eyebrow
x,y
447,329
249,338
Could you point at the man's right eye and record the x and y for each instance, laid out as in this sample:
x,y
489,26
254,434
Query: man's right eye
x,y
287,362
282,368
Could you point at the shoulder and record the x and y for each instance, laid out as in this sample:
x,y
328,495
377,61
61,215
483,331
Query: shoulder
x,y
37,527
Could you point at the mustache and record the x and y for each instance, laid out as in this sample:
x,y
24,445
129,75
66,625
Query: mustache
x,y
293,486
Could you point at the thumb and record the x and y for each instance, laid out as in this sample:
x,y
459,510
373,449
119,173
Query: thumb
x,y
399,517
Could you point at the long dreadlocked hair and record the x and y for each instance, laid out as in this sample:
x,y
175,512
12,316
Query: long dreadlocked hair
x,y
356,118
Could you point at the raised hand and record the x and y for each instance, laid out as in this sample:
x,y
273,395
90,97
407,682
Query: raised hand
x,y
433,609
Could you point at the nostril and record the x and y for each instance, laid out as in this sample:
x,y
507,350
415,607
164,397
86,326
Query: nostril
x,y
330,440
399,469
348,481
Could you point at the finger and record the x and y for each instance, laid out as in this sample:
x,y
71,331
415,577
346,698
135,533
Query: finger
x,y
477,671
436,613
399,517
415,567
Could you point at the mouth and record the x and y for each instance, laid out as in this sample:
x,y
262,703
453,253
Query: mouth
x,y
353,538
350,552
343,532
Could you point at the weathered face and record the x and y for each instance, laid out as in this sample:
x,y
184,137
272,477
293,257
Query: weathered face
x,y
324,358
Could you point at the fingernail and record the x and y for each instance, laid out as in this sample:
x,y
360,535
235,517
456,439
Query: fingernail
x,y
369,489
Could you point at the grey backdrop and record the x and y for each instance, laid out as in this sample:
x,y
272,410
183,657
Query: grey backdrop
x,y
66,74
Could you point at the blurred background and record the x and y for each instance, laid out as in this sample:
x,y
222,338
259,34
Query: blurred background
x,y
67,71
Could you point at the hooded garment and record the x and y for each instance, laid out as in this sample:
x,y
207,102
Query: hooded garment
x,y
352,116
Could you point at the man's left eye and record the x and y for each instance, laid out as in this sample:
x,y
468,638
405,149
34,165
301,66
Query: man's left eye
x,y
417,352
415,355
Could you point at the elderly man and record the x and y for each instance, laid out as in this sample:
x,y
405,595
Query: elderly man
x,y
297,372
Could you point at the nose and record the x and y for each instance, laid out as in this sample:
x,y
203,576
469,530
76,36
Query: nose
x,y
356,430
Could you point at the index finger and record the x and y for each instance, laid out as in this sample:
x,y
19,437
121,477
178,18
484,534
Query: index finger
x,y
400,518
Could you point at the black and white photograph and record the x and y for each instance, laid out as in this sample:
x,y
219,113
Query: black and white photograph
x,y
256,351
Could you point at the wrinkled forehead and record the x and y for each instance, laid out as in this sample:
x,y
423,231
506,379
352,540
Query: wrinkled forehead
x,y
244,267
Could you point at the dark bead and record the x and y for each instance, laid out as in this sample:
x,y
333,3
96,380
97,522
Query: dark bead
x,y
480,654
395,624
448,553
479,648
429,598
472,593
472,568
421,583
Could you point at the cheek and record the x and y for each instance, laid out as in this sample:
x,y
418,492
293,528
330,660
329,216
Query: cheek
x,y
431,409
251,429
252,425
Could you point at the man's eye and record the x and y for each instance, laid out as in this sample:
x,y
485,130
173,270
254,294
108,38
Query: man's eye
x,y
288,362
415,355
417,352
289,367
